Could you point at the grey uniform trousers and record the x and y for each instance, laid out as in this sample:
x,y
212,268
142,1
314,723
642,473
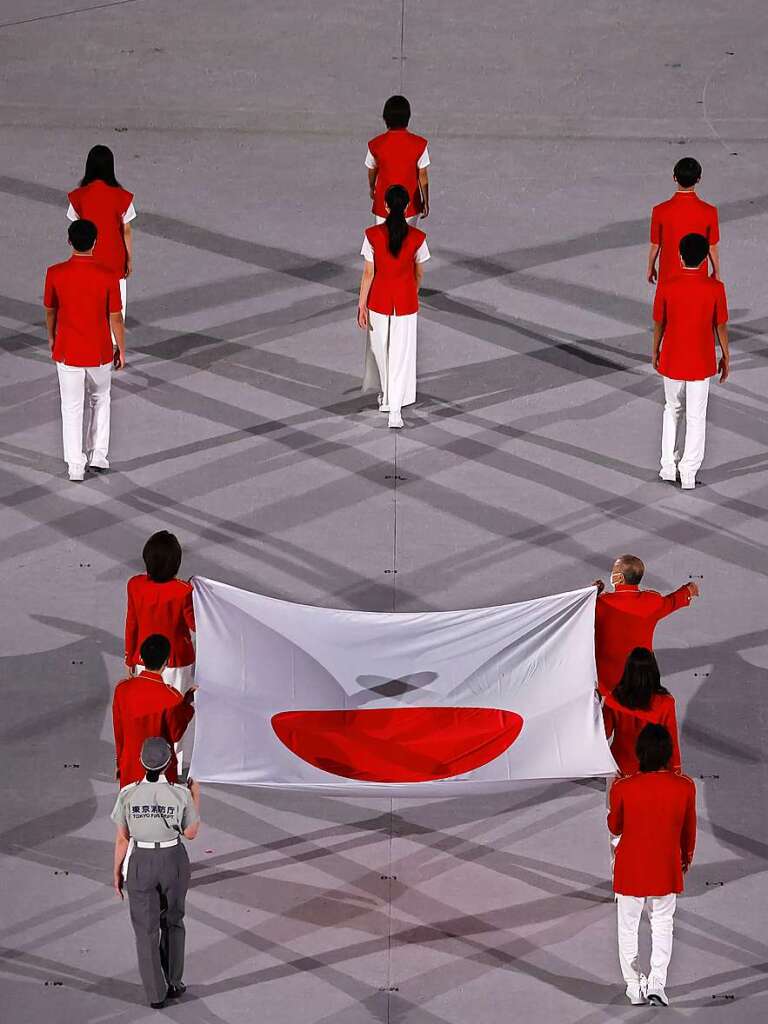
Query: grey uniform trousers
x,y
157,887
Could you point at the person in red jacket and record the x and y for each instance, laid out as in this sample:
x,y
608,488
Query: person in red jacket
x,y
398,157
679,216
627,618
102,199
83,314
689,311
389,303
158,602
654,814
145,706
637,700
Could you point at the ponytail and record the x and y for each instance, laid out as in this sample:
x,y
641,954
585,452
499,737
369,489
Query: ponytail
x,y
397,200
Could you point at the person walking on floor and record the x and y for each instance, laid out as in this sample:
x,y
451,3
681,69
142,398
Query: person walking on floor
x,y
681,215
398,157
159,602
689,309
627,617
389,303
654,815
102,199
83,312
637,700
144,705
152,815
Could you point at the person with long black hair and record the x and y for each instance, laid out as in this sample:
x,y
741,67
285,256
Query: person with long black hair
x,y
101,199
639,699
389,302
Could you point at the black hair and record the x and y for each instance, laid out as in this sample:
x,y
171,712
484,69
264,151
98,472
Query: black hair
x,y
687,172
653,748
162,556
397,112
640,680
100,166
82,235
397,199
694,249
153,774
155,651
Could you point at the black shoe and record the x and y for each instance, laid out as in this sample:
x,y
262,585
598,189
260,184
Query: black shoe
x,y
176,991
98,469
158,1006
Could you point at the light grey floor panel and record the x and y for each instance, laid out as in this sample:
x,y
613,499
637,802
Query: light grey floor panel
x,y
529,461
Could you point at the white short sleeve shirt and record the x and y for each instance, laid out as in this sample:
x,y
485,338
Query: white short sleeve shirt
x,y
422,162
128,216
422,253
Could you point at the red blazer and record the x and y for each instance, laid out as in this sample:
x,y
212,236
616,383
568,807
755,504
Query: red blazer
x,y
145,706
655,815
393,290
164,608
624,620
625,725
397,153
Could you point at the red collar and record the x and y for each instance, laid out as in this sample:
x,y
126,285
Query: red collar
x,y
149,674
626,586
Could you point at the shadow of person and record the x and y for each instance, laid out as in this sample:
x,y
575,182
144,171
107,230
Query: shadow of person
x,y
54,709
722,751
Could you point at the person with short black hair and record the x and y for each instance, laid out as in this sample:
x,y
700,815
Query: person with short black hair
x,y
159,602
83,311
689,310
151,817
681,215
654,815
144,705
398,157
388,306
627,618
102,199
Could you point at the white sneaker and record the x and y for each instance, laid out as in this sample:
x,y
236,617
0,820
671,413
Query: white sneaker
x,y
656,995
688,482
636,992
670,475
77,475
395,420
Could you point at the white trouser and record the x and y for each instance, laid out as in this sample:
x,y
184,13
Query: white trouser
x,y
74,381
695,394
123,300
390,359
661,910
180,678
410,221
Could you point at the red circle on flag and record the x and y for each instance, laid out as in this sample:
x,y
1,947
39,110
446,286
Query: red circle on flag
x,y
420,744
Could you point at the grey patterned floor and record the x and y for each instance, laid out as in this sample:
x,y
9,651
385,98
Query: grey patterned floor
x,y
528,463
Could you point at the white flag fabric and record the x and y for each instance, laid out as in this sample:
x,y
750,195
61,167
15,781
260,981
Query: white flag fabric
x,y
395,703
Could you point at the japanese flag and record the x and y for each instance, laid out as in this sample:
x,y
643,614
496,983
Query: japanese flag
x,y
298,696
